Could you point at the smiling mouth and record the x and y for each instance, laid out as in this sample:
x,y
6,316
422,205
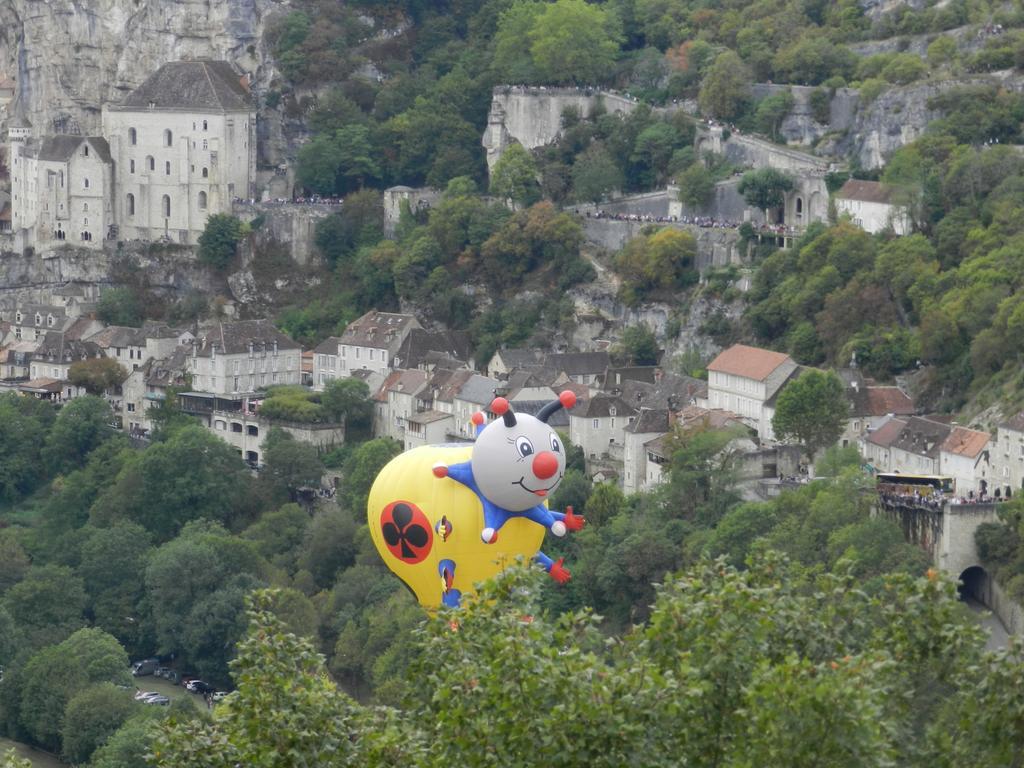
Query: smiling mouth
x,y
542,492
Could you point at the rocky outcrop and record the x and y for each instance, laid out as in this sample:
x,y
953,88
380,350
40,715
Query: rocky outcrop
x,y
900,115
69,57
801,125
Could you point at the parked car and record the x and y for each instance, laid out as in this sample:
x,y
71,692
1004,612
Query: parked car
x,y
173,676
161,672
144,695
186,679
220,695
145,667
198,686
159,699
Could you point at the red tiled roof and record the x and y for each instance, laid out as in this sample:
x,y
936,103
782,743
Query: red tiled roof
x,y
749,362
966,442
882,401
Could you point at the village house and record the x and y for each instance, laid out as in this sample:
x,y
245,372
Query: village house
x,y
692,418
54,357
965,456
184,147
581,367
869,204
743,380
434,349
121,343
372,341
1007,455
651,423
597,426
326,362
147,386
504,361
395,403
870,405
244,356
910,446
427,428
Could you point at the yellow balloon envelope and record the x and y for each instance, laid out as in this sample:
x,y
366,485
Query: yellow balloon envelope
x,y
427,529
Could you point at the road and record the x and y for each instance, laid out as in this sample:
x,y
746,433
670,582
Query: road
x,y
997,634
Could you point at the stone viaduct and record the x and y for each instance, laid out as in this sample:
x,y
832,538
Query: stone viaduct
x,y
946,532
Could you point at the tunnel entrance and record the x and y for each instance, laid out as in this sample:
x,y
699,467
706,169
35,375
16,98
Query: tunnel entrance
x,y
972,584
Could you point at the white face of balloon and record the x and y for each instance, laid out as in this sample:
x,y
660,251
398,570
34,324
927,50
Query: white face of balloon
x,y
518,467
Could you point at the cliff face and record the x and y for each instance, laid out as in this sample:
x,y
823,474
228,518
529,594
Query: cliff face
x,y
68,57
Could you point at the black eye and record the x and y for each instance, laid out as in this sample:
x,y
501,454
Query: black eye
x,y
555,445
524,446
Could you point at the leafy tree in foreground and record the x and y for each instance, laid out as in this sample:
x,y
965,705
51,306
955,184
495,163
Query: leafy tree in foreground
x,y
595,174
812,410
24,423
725,91
573,41
91,717
515,176
81,426
291,463
348,400
780,667
96,374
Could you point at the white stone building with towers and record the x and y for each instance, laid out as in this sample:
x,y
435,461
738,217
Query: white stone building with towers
x,y
177,149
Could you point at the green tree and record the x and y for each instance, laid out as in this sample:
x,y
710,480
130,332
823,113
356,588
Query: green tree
x,y
361,470
113,561
24,424
279,534
120,306
514,176
811,410
513,62
604,503
360,222
765,188
348,400
14,560
696,185
572,41
770,113
91,718
48,604
291,463
725,90
81,426
54,675
329,543
220,239
639,346
97,374
128,746
192,474
595,174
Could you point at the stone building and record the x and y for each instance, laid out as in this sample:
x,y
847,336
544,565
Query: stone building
x,y
744,380
184,146
61,189
243,357
869,204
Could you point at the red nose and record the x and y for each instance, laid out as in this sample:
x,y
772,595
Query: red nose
x,y
545,464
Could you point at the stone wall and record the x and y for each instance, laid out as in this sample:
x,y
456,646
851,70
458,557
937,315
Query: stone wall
x,y
715,247
291,225
418,199
1002,605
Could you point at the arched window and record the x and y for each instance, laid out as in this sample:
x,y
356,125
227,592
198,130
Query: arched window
x,y
151,162
133,137
799,205
168,138
131,166
206,172
130,204
85,183
167,167
85,207
202,201
166,205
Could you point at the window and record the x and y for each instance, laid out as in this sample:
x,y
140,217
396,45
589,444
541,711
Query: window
x,y
49,320
85,150
166,206
236,384
130,204
204,128
202,201
168,138
133,137
206,173
151,162
131,166
253,430
85,207
236,427
167,167
131,407
85,183
595,424
371,354
206,144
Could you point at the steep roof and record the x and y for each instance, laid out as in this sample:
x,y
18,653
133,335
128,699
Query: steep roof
x,y
60,148
56,348
749,362
650,420
194,85
886,434
429,417
520,358
966,442
601,405
420,345
865,191
404,381
234,338
328,346
578,363
168,371
922,437
478,389
885,400
377,329
693,417
119,336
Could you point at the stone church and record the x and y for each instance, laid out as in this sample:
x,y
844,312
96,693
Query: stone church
x,y
179,148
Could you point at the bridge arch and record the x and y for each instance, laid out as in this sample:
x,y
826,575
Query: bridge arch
x,y
974,584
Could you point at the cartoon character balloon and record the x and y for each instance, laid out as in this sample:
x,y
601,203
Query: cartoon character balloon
x,y
446,516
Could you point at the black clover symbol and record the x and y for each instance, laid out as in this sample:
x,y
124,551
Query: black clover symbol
x,y
405,531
